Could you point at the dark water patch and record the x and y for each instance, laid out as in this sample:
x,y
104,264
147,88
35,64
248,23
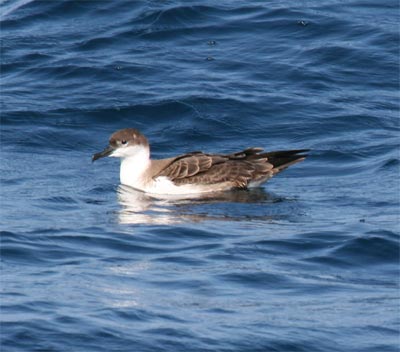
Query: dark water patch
x,y
60,199
95,201
377,152
17,117
45,232
221,311
24,62
21,340
344,56
57,118
137,114
390,164
106,334
12,294
111,241
290,247
103,189
72,72
201,248
196,286
8,235
382,39
133,315
18,308
261,280
327,261
324,236
180,260
29,254
98,43
179,234
231,256
10,182
376,283
358,121
369,250
383,330
256,343
183,17
366,6
33,334
381,347
361,251
70,9
30,308
63,138
177,16
179,334
385,234
26,249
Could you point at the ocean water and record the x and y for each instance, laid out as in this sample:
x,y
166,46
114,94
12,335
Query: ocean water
x,y
309,262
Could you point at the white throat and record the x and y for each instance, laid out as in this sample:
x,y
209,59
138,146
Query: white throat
x,y
135,161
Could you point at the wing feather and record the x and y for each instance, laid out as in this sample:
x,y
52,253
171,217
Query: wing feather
x,y
187,166
238,169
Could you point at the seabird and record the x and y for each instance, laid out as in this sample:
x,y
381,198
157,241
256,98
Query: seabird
x,y
194,172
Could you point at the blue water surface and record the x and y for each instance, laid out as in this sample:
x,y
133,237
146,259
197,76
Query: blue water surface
x,y
309,262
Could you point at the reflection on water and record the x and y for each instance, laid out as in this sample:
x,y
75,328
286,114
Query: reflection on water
x,y
141,208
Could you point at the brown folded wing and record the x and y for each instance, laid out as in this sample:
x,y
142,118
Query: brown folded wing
x,y
239,169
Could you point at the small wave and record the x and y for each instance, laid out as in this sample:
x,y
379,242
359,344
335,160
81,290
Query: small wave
x,y
361,251
261,280
9,6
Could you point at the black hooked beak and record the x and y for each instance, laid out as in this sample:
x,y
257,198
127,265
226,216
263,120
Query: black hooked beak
x,y
104,153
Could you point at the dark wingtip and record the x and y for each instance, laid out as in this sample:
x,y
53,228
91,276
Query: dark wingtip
x,y
298,151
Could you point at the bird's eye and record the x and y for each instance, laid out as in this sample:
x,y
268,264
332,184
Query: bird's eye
x,y
123,142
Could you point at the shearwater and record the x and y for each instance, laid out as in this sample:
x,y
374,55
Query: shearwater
x,y
194,172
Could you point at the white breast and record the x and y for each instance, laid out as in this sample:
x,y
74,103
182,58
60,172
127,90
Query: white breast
x,y
134,166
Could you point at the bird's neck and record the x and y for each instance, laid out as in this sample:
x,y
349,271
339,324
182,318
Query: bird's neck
x,y
135,167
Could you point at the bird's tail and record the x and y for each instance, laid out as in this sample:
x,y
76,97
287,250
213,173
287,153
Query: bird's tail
x,y
282,159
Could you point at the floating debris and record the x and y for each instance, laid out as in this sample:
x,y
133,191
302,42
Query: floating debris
x,y
302,23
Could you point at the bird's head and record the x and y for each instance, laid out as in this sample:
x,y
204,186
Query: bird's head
x,y
123,144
